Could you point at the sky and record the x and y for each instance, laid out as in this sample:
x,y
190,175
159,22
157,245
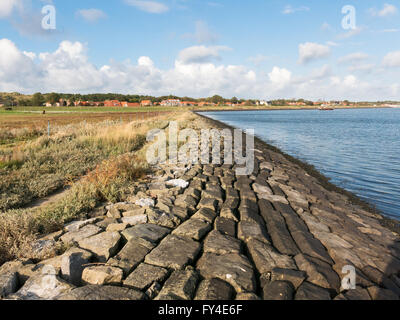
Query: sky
x,y
260,49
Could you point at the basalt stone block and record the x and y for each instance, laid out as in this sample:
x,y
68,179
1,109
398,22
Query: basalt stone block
x,y
8,283
72,264
209,203
205,214
214,289
233,268
380,279
319,272
102,275
295,277
377,293
357,294
229,213
248,230
174,252
149,232
221,244
85,232
181,212
131,255
309,291
181,284
43,287
266,258
225,226
278,290
213,180
247,214
103,245
103,293
247,297
193,228
144,276
277,229
311,246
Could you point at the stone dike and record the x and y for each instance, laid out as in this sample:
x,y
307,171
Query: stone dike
x,y
202,232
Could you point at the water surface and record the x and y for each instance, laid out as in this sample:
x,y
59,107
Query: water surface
x,y
358,149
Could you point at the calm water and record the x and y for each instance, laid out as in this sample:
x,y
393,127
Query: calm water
x,y
358,149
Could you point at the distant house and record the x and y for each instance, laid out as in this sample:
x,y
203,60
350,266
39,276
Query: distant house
x,y
112,103
202,104
48,104
130,104
263,103
189,103
171,103
146,103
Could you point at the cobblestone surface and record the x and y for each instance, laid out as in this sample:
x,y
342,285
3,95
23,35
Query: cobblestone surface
x,y
209,235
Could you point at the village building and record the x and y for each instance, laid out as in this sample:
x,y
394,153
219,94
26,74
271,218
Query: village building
x,y
146,103
112,103
171,103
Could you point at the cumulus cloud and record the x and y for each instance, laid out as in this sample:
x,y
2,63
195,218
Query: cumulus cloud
x,y
387,10
148,6
91,15
201,54
310,51
68,69
392,59
353,57
280,77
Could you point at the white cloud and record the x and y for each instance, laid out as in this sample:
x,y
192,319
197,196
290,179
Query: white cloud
x,y
290,9
68,69
387,10
148,6
353,57
201,54
7,7
310,51
392,59
367,67
91,15
280,76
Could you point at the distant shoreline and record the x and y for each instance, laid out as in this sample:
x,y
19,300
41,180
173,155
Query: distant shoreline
x,y
286,108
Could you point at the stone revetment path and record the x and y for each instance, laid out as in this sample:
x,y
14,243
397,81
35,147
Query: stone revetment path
x,y
202,232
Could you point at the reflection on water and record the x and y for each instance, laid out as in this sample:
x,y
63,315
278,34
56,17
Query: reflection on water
x,y
358,149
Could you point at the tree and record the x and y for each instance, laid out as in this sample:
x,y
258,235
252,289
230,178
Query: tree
x,y
54,97
37,99
234,100
217,99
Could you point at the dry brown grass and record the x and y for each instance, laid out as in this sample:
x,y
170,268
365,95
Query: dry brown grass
x,y
109,181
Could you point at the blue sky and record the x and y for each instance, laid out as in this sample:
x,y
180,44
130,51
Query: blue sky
x,y
251,49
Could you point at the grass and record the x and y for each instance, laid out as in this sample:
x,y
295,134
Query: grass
x,y
116,157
